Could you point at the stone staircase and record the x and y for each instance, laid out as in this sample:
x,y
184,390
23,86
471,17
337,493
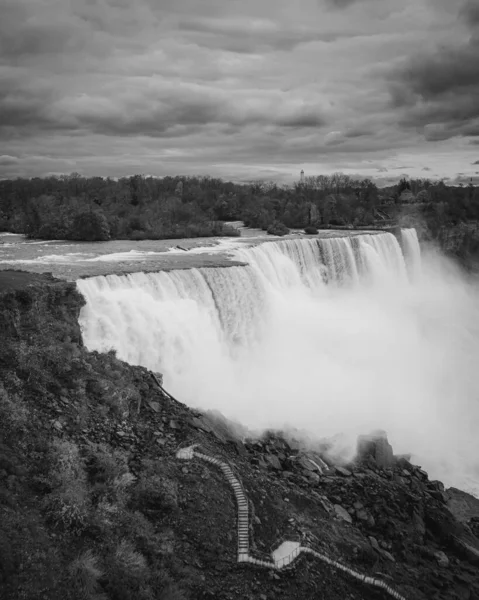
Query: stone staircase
x,y
244,555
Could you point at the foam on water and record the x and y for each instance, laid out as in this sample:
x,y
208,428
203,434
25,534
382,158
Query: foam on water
x,y
325,335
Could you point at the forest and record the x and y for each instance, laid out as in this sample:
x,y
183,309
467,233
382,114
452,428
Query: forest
x,y
94,208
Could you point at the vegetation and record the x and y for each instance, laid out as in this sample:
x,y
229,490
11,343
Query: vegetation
x,y
78,518
79,208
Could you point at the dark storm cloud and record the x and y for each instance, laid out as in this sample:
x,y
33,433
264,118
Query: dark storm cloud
x,y
24,103
439,91
235,88
470,12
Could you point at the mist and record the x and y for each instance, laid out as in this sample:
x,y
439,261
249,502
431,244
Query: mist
x,y
333,337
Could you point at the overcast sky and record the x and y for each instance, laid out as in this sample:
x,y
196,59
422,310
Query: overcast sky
x,y
241,89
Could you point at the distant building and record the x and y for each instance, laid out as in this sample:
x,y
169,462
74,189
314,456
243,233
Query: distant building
x,y
301,177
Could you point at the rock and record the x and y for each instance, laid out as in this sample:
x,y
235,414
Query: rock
x,y
273,461
441,559
342,513
437,485
307,464
201,423
374,543
376,446
462,505
418,523
468,549
343,472
155,406
387,555
174,424
440,496
159,377
421,474
293,445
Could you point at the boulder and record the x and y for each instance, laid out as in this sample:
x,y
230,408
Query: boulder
x,y
342,513
441,559
376,447
273,461
462,505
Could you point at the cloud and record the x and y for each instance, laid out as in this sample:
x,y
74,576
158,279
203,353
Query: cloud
x,y
475,162
231,88
341,3
469,12
438,90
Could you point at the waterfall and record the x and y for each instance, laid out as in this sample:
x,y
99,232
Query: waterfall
x,y
412,251
146,316
327,335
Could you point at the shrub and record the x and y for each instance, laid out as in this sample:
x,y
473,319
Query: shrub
x,y
89,226
109,474
310,230
68,504
128,574
155,493
130,561
278,228
85,574
13,412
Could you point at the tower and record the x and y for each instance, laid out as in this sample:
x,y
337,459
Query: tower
x,y
301,177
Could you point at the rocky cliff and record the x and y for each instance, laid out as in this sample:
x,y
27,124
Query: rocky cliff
x,y
95,501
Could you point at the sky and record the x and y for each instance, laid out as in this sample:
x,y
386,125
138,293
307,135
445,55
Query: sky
x,y
240,89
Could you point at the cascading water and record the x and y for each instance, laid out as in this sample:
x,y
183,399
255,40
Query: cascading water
x,y
325,335
412,251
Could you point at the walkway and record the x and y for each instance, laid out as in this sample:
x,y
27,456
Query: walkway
x,y
278,559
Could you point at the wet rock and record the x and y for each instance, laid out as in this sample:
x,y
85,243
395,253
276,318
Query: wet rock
x,y
307,464
342,513
376,447
155,406
343,472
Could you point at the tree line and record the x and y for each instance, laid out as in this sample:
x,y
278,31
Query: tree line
x,y
138,207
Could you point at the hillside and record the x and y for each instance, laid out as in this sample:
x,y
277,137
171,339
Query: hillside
x,y
95,502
